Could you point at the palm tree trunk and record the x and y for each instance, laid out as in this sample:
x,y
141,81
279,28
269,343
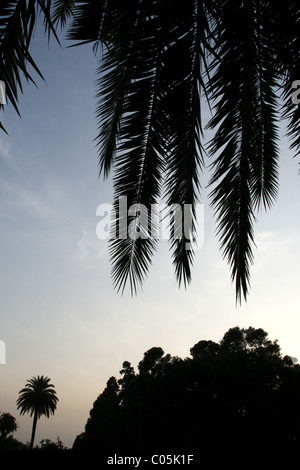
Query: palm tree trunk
x,y
33,430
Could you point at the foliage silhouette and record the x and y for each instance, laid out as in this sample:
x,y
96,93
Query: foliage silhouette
x,y
242,57
8,425
38,398
240,393
12,444
17,21
47,444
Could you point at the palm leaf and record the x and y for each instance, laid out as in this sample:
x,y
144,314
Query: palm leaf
x,y
183,85
148,139
245,168
288,24
138,160
62,11
116,74
157,59
17,21
88,20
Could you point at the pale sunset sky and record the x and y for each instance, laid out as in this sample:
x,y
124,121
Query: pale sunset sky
x,y
60,316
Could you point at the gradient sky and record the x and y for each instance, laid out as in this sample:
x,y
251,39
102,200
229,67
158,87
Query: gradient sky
x,y
60,315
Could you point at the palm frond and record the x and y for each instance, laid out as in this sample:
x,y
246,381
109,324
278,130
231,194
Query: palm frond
x,y
183,85
116,73
138,160
17,22
157,59
88,20
150,120
288,23
62,11
244,145
264,162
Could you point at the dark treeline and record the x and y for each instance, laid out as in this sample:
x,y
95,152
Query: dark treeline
x,y
238,393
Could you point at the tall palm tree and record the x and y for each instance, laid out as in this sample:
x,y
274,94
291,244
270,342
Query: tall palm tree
x,y
8,424
38,398
157,61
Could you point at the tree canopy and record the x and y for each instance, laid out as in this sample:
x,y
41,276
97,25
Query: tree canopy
x,y
237,393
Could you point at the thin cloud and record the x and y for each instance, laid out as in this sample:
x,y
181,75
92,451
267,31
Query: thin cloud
x,y
90,250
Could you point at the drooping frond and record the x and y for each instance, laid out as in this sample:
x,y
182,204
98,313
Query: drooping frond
x,y
264,162
17,22
182,84
287,16
150,123
156,61
244,144
116,72
138,158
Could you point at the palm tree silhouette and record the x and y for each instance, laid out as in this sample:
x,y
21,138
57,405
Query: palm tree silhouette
x,y
38,398
157,60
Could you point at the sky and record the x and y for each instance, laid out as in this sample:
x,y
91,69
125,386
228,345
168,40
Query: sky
x,y
59,314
